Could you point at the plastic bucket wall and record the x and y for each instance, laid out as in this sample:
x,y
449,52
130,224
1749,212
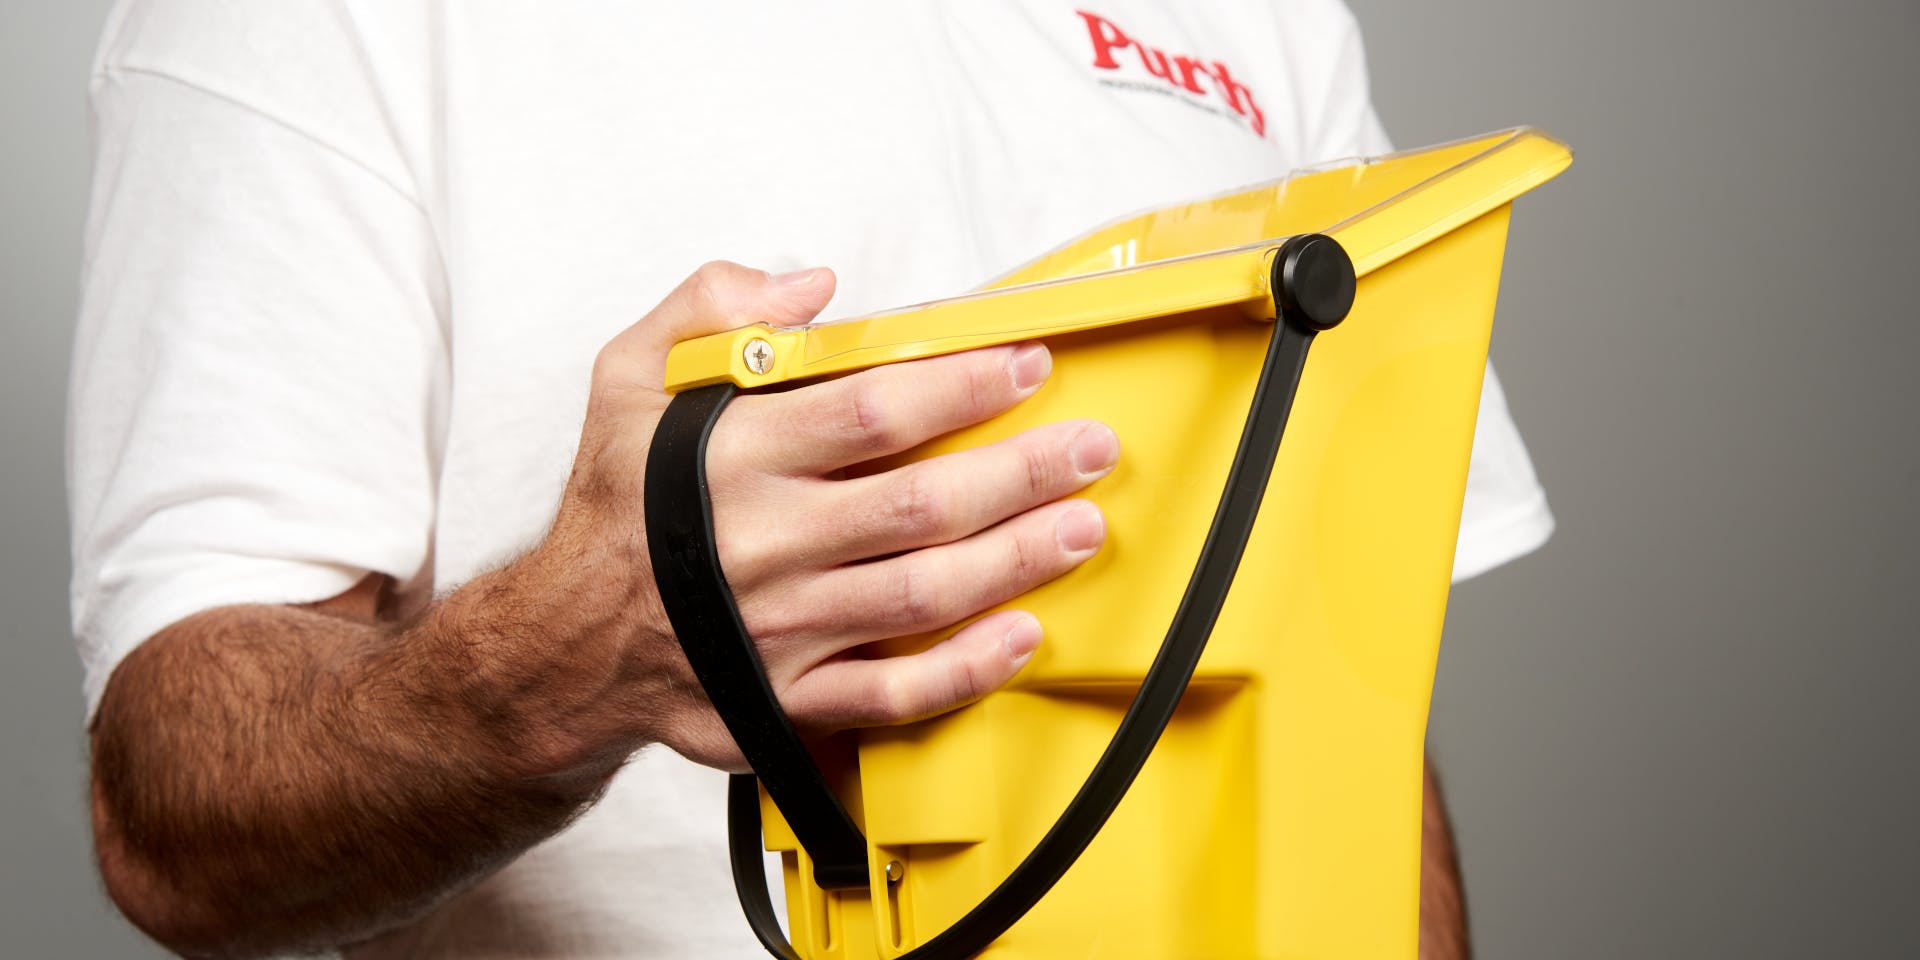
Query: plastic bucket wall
x,y
1280,814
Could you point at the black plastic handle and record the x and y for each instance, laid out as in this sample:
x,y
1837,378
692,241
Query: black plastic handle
x,y
700,605
1313,288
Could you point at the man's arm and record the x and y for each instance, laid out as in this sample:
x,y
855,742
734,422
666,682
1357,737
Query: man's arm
x,y
277,778
272,778
1443,904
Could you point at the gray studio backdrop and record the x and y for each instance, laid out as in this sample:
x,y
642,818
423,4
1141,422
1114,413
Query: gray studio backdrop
x,y
1686,728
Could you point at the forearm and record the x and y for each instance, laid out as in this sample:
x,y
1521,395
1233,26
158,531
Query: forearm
x,y
270,778
1443,913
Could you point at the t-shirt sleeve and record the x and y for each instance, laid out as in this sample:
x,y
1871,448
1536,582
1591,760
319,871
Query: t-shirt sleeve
x,y
259,373
1506,514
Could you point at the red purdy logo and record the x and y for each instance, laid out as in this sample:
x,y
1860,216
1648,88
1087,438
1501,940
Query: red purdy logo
x,y
1192,74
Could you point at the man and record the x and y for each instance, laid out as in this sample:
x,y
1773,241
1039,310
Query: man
x,y
361,407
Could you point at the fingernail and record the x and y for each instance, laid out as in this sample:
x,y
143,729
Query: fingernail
x,y
1081,528
1094,450
1022,638
1030,366
797,278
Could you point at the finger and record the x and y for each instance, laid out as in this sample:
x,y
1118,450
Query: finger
x,y
802,622
954,496
886,409
977,660
718,296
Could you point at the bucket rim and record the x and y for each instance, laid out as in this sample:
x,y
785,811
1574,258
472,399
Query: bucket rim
x,y
1512,162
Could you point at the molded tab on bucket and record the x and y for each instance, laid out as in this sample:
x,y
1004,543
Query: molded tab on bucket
x,y
1279,814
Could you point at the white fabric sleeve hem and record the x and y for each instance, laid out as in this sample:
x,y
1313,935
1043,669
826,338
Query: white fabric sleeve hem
x,y
1510,535
122,627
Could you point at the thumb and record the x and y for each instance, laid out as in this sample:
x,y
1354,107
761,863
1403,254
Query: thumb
x,y
719,296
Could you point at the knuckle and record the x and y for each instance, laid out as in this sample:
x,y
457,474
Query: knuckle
x,y
916,600
1039,464
736,552
917,506
717,273
707,285
729,444
610,367
702,289
969,684
1024,564
987,384
893,700
869,418
750,555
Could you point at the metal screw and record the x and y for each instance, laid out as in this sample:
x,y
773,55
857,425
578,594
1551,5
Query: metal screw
x,y
896,871
759,355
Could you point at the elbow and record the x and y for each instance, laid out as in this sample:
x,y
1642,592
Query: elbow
x,y
153,898
148,899
150,868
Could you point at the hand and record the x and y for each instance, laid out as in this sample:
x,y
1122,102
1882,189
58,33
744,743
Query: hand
x,y
820,565
340,774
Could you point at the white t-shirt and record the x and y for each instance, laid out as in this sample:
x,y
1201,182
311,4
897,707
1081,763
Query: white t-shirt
x,y
349,263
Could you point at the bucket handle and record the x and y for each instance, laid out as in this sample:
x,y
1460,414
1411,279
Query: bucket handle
x,y
1313,287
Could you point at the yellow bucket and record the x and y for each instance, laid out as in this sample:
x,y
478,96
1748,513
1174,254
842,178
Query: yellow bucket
x,y
1278,811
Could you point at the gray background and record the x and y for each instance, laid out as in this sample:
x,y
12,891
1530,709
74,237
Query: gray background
x,y
1685,728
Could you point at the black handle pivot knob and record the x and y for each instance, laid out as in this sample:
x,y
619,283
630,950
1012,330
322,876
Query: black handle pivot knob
x,y
1313,282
